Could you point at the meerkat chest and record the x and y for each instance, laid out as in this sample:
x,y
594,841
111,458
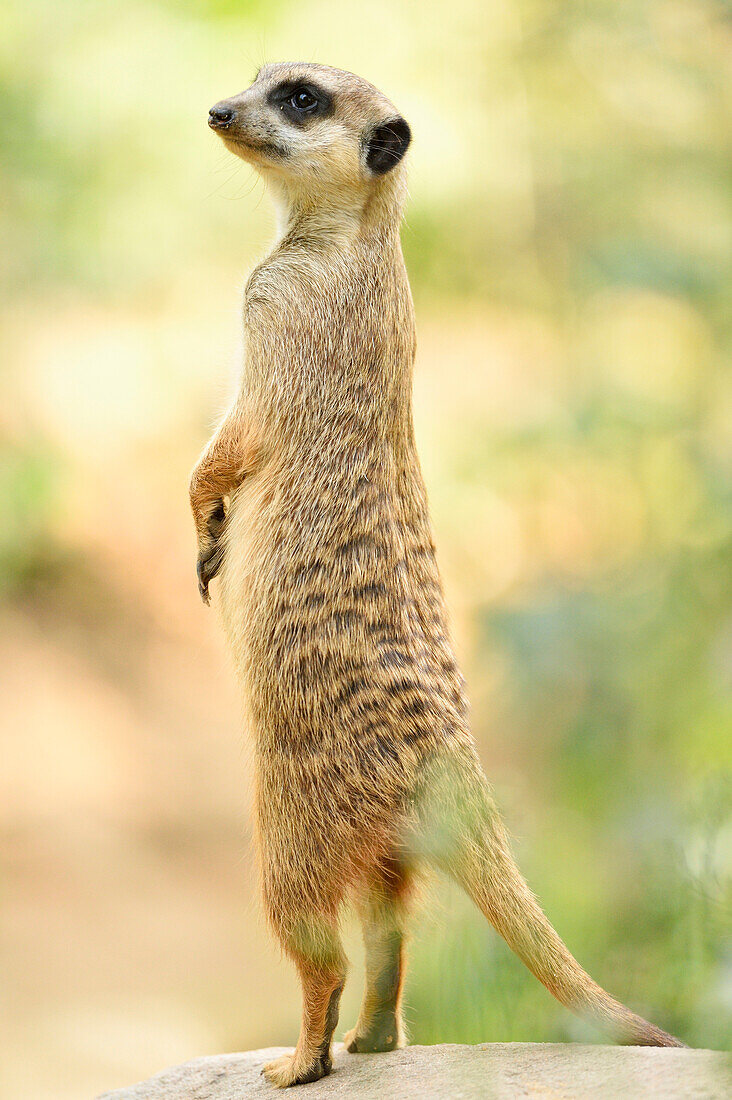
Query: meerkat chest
x,y
314,297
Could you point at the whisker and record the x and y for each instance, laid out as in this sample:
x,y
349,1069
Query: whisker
x,y
222,184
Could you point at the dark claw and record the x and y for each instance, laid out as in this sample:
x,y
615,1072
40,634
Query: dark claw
x,y
207,567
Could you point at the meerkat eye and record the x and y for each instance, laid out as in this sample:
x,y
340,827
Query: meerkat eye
x,y
303,100
300,103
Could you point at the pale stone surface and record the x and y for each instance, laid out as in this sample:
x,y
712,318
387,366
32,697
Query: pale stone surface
x,y
504,1071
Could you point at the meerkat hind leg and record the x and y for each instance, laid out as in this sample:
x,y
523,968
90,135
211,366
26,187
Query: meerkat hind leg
x,y
382,911
322,974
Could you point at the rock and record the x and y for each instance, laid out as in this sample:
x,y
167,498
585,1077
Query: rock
x,y
499,1071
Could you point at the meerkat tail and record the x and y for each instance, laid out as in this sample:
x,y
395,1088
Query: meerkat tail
x,y
473,848
499,890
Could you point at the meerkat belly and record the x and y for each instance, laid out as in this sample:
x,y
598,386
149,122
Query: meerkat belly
x,y
334,614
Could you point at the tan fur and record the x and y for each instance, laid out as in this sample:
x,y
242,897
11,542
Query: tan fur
x,y
310,505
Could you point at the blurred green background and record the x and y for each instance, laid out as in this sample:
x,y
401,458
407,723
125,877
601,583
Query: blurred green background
x,y
569,238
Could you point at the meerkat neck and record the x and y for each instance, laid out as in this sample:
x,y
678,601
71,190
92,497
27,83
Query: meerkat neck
x,y
337,216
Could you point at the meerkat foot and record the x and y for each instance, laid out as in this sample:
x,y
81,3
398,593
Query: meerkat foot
x,y
293,1069
384,1034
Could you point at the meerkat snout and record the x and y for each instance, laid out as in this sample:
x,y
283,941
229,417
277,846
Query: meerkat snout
x,y
220,116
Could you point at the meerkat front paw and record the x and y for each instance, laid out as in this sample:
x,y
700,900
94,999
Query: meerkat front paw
x,y
293,1069
207,566
211,551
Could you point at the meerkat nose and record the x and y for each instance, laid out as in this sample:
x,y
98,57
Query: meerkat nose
x,y
220,116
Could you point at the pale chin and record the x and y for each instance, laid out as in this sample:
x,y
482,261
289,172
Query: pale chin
x,y
238,148
250,154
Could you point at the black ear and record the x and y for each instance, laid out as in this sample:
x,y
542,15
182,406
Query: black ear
x,y
387,144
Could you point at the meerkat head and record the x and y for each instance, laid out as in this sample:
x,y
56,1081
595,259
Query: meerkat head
x,y
317,131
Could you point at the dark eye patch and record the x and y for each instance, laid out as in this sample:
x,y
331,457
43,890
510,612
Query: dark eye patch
x,y
288,96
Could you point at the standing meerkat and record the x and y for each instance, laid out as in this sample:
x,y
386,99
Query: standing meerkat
x,y
310,507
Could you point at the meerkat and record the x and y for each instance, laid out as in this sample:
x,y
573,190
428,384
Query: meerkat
x,y
311,510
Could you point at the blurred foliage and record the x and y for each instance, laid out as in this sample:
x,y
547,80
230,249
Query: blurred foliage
x,y
569,230
29,551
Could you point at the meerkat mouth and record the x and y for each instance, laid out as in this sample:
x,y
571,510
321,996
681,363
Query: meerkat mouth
x,y
268,148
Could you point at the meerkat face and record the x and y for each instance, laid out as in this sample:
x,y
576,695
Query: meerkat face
x,y
314,126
